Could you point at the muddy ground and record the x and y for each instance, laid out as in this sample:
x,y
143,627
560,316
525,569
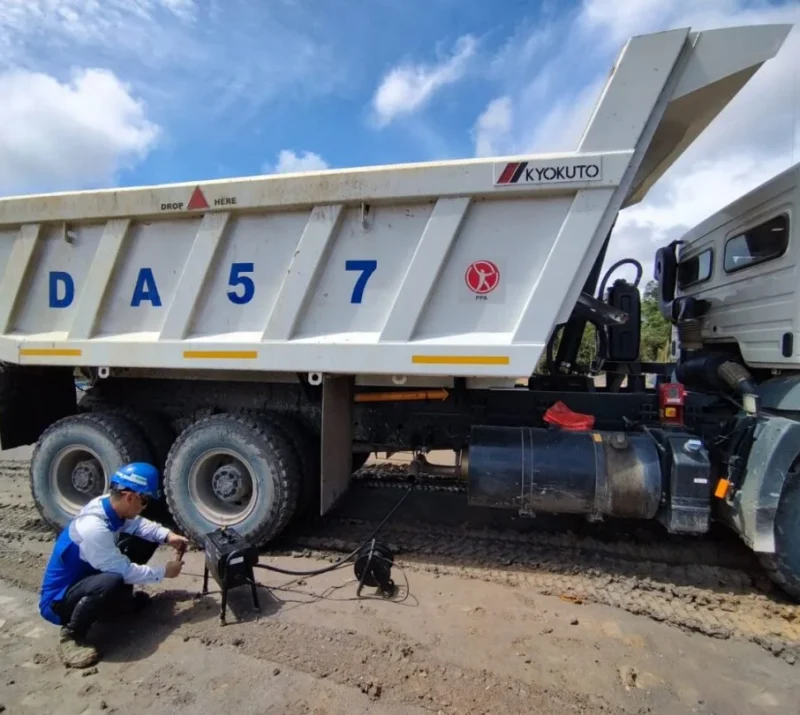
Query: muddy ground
x,y
488,618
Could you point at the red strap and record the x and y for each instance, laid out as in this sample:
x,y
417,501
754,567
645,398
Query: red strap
x,y
562,416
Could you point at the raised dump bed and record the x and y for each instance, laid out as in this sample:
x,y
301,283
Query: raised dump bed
x,y
452,268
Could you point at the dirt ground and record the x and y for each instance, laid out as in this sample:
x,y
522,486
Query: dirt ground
x,y
450,641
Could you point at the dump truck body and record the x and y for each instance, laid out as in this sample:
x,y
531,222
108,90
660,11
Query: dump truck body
x,y
256,338
457,268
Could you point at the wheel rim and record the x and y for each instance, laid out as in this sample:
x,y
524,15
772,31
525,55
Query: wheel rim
x,y
223,487
76,477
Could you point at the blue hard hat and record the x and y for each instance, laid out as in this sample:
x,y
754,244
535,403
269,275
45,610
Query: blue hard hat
x,y
138,477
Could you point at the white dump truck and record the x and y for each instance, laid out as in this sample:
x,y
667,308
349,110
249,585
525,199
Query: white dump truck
x,y
257,338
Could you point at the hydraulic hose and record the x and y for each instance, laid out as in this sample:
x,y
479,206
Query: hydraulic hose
x,y
739,379
632,261
601,338
718,372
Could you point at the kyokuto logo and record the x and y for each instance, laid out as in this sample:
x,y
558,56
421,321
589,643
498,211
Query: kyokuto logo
x,y
524,172
482,277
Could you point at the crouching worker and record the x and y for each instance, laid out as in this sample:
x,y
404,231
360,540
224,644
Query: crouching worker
x,y
98,558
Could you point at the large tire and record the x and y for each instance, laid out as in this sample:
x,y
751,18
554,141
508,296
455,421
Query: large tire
x,y
74,458
306,450
232,470
783,566
158,435
156,430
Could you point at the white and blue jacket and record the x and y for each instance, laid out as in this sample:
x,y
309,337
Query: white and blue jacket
x,y
88,545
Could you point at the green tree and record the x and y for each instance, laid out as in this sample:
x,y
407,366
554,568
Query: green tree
x,y
655,338
656,329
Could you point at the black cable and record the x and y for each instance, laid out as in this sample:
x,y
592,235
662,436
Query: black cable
x,y
341,562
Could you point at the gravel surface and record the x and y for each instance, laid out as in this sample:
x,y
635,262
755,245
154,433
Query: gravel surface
x,y
490,616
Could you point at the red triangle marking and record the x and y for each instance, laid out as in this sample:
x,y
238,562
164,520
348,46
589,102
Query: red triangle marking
x,y
198,201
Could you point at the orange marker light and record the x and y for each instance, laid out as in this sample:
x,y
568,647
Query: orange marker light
x,y
671,398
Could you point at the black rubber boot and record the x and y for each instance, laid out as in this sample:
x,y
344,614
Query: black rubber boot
x,y
130,605
73,649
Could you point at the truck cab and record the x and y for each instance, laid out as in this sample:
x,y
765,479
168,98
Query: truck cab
x,y
730,288
730,284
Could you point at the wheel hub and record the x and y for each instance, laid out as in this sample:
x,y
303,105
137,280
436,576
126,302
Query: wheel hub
x,y
229,483
87,476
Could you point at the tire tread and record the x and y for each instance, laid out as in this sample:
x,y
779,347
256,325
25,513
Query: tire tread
x,y
286,469
776,565
125,435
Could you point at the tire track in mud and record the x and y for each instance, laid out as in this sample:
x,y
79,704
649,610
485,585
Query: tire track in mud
x,y
396,670
620,540
21,522
707,586
21,567
24,536
715,601
19,519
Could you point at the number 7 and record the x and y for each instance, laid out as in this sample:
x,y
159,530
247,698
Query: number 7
x,y
367,268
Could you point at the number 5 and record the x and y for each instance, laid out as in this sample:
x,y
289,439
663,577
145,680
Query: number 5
x,y
236,279
367,268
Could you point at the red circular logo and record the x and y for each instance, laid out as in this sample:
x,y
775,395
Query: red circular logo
x,y
482,277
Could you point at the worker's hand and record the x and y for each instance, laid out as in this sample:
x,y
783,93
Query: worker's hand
x,y
177,542
173,569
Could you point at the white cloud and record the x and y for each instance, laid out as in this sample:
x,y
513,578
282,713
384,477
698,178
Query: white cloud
x,y
204,69
408,87
749,142
686,199
493,126
568,59
72,134
289,162
229,57
120,24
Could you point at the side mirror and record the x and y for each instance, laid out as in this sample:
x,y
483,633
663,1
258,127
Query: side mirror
x,y
666,273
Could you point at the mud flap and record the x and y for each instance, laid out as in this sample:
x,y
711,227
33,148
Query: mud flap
x,y
31,399
337,439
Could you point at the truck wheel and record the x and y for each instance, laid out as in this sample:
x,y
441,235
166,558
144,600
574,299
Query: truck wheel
x,y
157,433
233,471
73,459
154,428
783,566
306,449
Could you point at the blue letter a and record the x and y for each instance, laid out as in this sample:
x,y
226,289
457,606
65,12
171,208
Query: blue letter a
x,y
145,289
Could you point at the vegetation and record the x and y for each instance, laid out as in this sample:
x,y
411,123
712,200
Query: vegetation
x,y
656,333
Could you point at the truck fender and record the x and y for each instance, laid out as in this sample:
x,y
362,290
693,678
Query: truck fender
x,y
773,453
780,394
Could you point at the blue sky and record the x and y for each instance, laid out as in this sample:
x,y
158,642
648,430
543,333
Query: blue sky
x,y
121,92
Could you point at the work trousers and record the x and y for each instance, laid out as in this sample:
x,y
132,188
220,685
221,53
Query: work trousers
x,y
102,595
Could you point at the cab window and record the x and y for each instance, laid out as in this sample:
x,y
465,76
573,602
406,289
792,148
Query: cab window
x,y
759,244
696,269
